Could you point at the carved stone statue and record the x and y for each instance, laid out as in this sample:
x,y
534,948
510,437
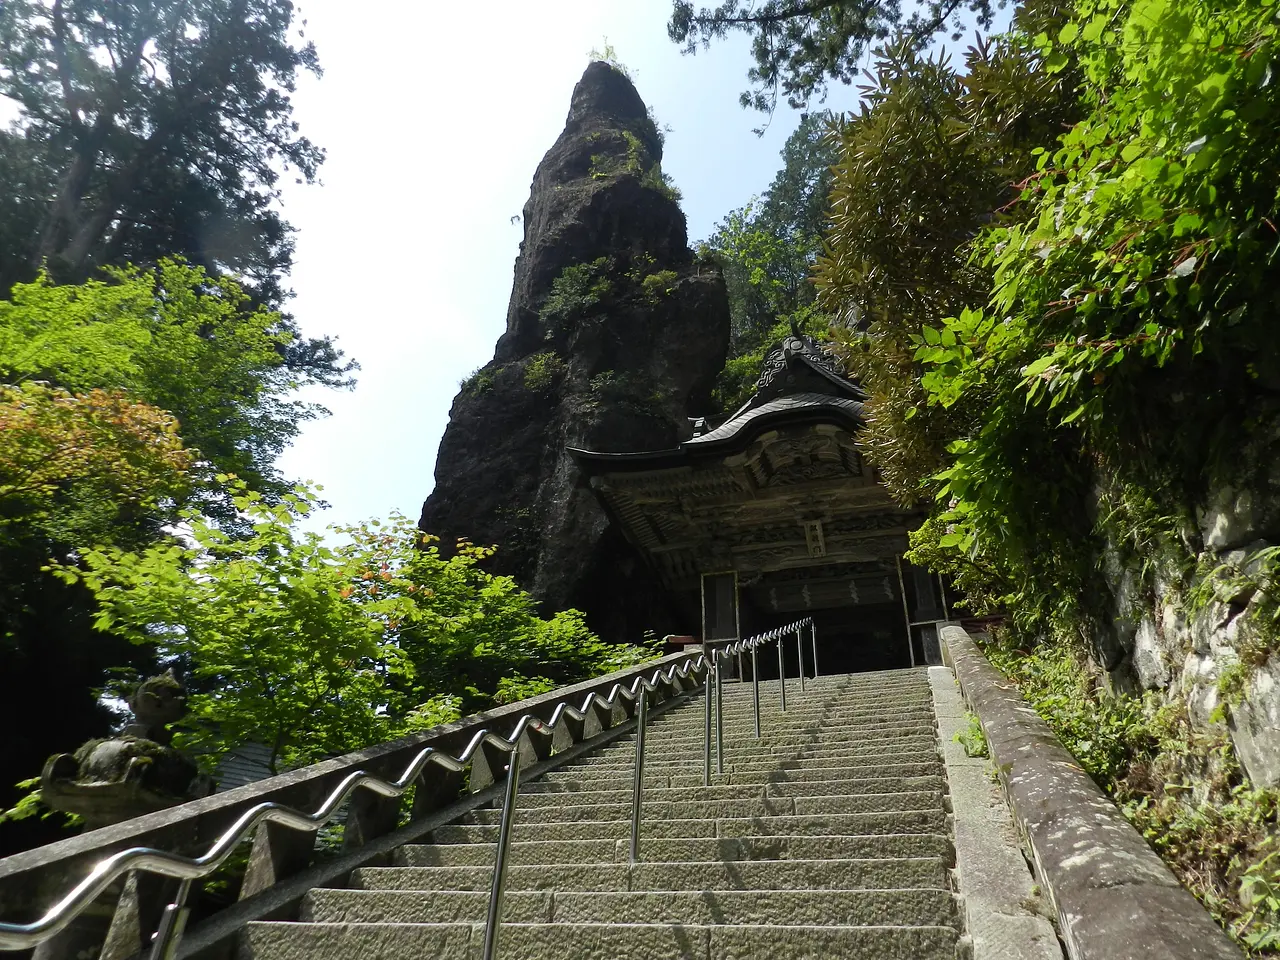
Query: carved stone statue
x,y
107,781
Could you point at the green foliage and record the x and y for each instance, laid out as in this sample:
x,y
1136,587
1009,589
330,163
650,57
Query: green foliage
x,y
79,467
30,805
973,738
269,623
1260,891
767,248
659,284
655,178
148,130
173,337
1251,579
317,649
516,688
1136,259
576,290
627,391
737,380
478,381
610,56
635,162
542,371
799,46
924,165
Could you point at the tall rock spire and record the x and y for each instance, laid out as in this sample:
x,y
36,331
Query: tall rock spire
x,y
614,337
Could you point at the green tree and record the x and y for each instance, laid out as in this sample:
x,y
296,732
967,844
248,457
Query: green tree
x,y
1137,261
190,349
767,249
78,467
317,649
74,469
174,337
928,162
800,46
151,128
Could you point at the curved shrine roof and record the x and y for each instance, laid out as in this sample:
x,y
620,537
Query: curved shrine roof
x,y
800,383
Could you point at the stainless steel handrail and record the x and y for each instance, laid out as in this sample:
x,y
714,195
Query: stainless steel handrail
x,y
713,660
22,936
751,645
719,718
706,721
637,783
493,921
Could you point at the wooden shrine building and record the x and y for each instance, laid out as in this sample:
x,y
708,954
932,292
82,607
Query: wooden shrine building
x,y
772,516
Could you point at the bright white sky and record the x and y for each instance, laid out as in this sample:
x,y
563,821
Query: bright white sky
x,y
434,123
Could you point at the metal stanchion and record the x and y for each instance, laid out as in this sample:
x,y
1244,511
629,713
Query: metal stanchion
x,y
800,653
494,921
706,739
719,723
172,922
637,787
813,634
782,678
755,688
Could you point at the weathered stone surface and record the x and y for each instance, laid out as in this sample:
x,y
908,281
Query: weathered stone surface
x,y
1255,725
1004,912
1149,656
1113,895
1230,518
619,365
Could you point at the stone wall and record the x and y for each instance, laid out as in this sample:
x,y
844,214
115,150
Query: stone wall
x,y
1171,635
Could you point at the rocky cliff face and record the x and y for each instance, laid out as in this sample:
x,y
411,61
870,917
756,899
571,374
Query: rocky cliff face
x,y
614,337
1212,650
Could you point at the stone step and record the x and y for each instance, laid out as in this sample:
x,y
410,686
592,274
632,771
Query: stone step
x,y
825,874
792,772
542,793
805,707
677,849
766,806
463,941
839,759
817,825
840,730
745,737
835,907
743,718
764,751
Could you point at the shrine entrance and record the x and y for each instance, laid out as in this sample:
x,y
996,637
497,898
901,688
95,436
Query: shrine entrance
x,y
776,510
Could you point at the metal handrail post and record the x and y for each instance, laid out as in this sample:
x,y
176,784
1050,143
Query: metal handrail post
x,y
813,635
800,654
637,788
719,723
172,923
494,920
706,739
782,678
755,688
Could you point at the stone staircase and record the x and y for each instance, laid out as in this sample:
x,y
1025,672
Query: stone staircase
x,y
828,838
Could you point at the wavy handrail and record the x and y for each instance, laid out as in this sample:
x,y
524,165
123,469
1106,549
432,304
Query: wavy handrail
x,y
760,639
20,936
